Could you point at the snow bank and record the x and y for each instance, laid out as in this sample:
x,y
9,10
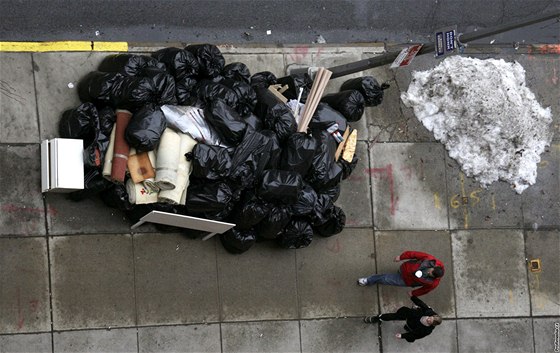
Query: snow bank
x,y
486,117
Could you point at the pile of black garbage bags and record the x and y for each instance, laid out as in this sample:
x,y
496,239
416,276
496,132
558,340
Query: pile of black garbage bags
x,y
273,182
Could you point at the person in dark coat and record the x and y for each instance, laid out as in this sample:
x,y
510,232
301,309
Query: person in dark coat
x,y
420,320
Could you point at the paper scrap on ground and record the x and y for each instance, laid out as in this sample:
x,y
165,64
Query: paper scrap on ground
x,y
486,117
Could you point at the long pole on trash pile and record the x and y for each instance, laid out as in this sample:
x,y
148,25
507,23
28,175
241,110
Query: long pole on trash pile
x,y
353,67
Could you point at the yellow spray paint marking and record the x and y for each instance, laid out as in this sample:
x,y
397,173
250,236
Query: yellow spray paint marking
x,y
493,202
510,296
436,200
465,210
67,46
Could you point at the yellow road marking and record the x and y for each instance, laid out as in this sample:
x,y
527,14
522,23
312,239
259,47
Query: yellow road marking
x,y
62,46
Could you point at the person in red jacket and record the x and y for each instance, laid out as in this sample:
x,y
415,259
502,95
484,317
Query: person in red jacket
x,y
418,270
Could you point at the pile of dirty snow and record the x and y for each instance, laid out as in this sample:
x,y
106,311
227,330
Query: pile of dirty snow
x,y
486,117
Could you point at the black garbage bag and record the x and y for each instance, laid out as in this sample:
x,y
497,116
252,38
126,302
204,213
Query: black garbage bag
x,y
348,167
209,199
132,93
274,222
321,210
229,126
275,149
298,153
164,85
251,211
250,159
209,57
263,79
350,103
254,123
93,127
97,87
318,174
209,161
94,183
295,82
332,192
305,204
237,71
335,223
116,196
246,96
280,185
178,62
297,234
145,128
127,64
186,90
208,91
281,120
368,87
237,241
324,117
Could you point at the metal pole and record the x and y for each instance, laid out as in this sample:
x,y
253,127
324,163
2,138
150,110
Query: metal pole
x,y
353,67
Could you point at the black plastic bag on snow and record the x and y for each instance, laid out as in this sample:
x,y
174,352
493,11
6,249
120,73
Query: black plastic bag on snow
x,y
128,64
94,183
208,91
254,123
164,85
275,149
116,196
250,159
324,117
246,96
209,57
185,91
237,71
348,167
350,103
321,210
251,211
145,128
237,241
274,222
295,82
335,223
298,153
280,185
209,161
307,198
225,120
208,198
178,62
97,87
296,235
132,93
263,79
368,87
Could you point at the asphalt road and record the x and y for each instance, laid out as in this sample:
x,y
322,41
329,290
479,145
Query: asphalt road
x,y
245,21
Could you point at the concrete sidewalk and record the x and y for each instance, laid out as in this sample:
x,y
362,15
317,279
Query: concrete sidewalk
x,y
74,278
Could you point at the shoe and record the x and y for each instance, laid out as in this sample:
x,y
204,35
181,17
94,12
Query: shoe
x,y
371,319
362,281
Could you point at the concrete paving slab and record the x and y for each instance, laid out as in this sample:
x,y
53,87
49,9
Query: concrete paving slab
x,y
92,279
486,284
67,217
472,206
23,211
56,79
192,338
19,123
496,335
546,333
544,285
355,193
338,335
407,187
392,243
541,205
24,283
259,62
176,279
263,336
259,284
443,338
34,342
327,274
88,341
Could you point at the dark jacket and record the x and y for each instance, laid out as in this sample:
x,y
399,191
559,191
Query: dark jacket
x,y
415,329
408,268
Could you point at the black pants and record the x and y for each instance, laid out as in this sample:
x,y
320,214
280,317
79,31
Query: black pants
x,y
402,314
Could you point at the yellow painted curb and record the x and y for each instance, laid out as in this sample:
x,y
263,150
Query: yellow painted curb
x,y
62,46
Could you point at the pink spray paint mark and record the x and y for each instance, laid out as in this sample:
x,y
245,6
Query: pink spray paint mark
x,y
387,172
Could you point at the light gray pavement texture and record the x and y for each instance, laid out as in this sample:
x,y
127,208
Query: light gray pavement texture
x,y
74,278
